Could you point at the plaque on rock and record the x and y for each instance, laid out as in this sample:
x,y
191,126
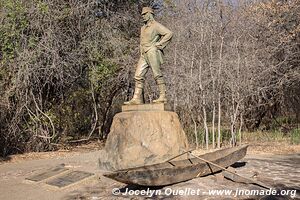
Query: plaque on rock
x,y
48,173
69,178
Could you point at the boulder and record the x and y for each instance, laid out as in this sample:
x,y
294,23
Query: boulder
x,y
139,138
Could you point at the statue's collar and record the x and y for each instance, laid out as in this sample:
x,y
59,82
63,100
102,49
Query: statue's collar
x,y
149,23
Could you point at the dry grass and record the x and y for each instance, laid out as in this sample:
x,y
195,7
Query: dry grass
x,y
263,143
273,148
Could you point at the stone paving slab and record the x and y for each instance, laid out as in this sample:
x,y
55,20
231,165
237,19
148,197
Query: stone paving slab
x,y
48,173
69,178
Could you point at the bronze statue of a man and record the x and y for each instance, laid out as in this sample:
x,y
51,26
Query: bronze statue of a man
x,y
154,38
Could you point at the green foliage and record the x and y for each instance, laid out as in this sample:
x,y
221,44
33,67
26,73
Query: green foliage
x,y
74,116
285,120
13,24
295,136
42,7
100,69
225,136
282,124
32,42
190,132
101,72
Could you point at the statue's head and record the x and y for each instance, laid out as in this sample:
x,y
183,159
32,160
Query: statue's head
x,y
147,14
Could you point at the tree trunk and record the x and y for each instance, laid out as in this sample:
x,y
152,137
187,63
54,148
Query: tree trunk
x,y
219,88
219,120
195,132
213,125
240,129
205,126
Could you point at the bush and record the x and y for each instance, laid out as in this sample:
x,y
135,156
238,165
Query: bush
x,y
61,63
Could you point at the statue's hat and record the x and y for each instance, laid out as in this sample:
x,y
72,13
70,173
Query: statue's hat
x,y
146,10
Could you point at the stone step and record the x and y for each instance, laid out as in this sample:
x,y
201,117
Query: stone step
x,y
147,107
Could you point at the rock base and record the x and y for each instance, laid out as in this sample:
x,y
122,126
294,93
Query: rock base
x,y
139,138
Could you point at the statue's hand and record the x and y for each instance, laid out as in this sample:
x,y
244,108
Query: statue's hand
x,y
158,46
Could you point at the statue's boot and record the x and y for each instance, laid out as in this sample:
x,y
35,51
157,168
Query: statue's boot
x,y
137,97
162,94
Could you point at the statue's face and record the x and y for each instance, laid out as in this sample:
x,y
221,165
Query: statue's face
x,y
146,17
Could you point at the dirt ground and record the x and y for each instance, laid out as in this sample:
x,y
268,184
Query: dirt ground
x,y
275,164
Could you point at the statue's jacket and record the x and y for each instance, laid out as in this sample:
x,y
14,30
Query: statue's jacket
x,y
154,36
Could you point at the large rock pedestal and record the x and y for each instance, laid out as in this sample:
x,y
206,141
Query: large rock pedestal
x,y
139,138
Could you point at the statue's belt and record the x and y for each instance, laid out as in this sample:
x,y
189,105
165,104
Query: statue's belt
x,y
146,49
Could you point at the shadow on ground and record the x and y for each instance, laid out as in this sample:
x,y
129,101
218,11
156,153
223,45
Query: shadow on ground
x,y
4,159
